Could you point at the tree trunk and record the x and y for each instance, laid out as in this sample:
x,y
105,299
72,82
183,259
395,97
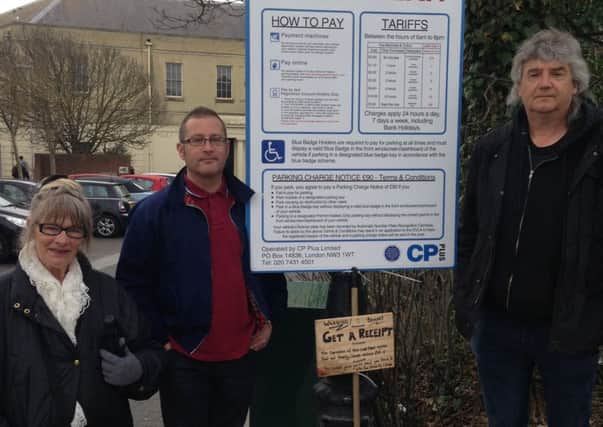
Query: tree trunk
x,y
52,160
13,141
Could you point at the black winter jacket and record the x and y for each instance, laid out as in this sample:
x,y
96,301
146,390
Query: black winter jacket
x,y
42,373
577,322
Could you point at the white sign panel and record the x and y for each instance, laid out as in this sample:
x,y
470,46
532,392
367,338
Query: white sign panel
x,y
352,133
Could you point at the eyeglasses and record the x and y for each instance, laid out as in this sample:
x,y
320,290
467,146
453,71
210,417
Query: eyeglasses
x,y
214,140
54,230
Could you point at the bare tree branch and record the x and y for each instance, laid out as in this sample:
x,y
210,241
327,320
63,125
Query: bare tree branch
x,y
82,98
196,13
13,102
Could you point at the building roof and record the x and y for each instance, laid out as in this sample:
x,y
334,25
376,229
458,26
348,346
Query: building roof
x,y
132,16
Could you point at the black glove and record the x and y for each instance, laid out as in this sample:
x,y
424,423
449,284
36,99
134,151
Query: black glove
x,y
112,337
120,371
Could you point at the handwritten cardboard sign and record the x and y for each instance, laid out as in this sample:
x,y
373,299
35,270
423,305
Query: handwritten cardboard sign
x,y
354,344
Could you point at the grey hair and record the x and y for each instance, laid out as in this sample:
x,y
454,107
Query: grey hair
x,y
552,45
56,201
197,113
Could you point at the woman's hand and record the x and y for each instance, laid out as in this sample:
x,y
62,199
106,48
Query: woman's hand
x,y
120,371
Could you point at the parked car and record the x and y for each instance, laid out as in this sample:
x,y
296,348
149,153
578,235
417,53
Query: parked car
x,y
148,182
12,221
111,203
17,191
136,191
170,176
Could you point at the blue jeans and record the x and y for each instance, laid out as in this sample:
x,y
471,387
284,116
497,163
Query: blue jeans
x,y
507,351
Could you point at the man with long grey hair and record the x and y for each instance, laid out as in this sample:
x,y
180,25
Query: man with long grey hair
x,y
528,289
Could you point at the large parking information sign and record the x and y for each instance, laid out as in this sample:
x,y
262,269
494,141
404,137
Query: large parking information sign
x,y
352,133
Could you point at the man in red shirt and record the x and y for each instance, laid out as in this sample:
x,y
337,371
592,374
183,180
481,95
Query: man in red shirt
x,y
185,261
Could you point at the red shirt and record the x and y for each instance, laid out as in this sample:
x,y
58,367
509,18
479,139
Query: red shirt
x,y
232,322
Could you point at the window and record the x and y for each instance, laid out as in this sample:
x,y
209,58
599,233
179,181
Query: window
x,y
80,77
173,79
14,193
224,82
95,191
144,183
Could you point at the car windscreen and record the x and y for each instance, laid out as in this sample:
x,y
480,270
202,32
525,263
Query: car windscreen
x,y
4,202
147,184
134,187
16,193
121,190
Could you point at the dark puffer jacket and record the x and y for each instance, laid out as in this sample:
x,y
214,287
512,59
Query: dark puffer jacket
x,y
577,322
42,373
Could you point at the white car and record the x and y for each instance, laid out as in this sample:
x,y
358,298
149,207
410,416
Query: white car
x,y
17,191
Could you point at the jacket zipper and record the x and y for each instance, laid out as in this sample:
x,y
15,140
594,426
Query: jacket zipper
x,y
523,214
192,205
239,231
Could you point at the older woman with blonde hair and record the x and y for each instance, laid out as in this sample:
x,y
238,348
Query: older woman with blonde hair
x,y
73,347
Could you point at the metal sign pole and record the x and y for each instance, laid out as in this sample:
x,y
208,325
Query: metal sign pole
x,y
355,377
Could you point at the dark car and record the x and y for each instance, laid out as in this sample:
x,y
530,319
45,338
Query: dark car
x,y
111,203
12,221
136,191
17,191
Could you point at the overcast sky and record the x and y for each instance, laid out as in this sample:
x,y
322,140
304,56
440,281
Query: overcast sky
x,y
11,4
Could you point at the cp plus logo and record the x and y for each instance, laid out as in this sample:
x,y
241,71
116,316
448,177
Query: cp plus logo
x,y
418,253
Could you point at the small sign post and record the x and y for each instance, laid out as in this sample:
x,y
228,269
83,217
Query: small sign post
x,y
353,344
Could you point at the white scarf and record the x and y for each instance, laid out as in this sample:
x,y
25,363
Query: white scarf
x,y
66,301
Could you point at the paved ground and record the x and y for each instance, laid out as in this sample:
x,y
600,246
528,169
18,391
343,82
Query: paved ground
x,y
147,413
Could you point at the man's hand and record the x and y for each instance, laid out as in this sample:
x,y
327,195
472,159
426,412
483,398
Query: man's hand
x,y
120,371
260,339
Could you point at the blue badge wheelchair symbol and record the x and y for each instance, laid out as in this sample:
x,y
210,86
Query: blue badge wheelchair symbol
x,y
273,151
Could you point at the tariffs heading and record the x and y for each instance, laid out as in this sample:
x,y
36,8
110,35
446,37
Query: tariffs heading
x,y
402,24
322,22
